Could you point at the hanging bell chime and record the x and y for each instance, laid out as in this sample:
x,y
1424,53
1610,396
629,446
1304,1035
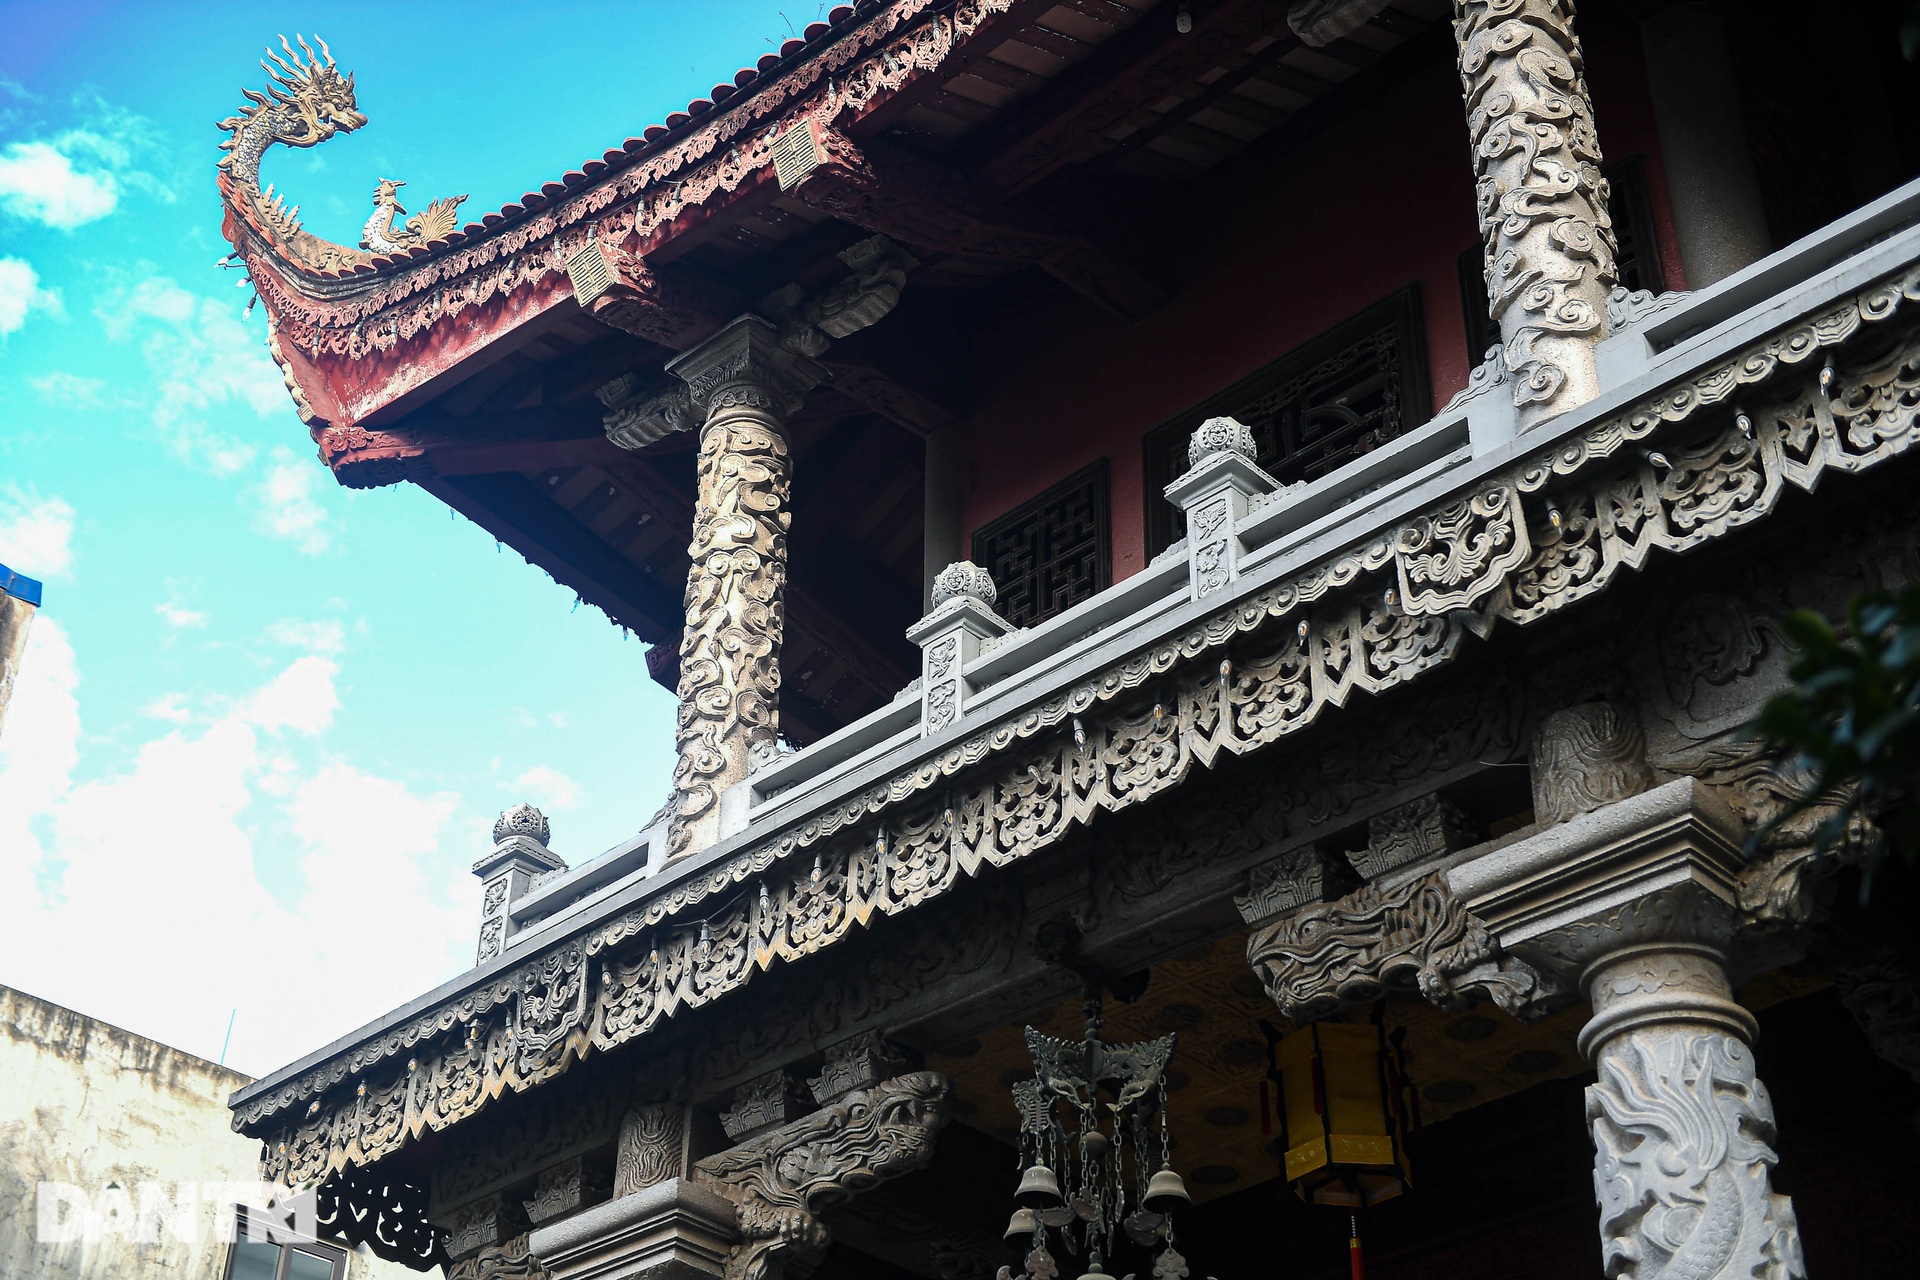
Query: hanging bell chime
x,y
1038,1189
1021,1226
1165,1192
1095,1271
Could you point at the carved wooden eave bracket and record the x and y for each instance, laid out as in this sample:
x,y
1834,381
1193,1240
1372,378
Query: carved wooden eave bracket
x,y
754,1211
1832,392
355,329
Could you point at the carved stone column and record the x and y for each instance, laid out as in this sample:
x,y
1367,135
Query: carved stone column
x,y
1543,204
745,384
1638,903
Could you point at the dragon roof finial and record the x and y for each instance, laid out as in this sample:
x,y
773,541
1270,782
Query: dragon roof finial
x,y
306,102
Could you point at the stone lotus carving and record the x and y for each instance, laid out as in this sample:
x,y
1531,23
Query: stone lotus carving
x,y
1682,1131
522,820
963,579
783,1180
1543,204
1220,435
1413,936
1051,777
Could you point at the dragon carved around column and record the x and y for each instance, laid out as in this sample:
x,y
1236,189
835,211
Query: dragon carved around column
x,y
307,102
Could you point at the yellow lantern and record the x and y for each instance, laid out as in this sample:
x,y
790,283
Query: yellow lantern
x,y
1344,1113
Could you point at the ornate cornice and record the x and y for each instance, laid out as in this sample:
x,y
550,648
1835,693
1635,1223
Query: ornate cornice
x,y
368,303
1246,677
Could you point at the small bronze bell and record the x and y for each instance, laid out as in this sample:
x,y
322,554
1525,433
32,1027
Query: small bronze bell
x,y
1021,1226
1095,1271
1038,1189
1165,1193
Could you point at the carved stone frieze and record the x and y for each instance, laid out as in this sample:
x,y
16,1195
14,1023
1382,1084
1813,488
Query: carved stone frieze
x,y
784,1179
489,1221
509,1260
1586,757
1418,829
561,1190
1138,729
1548,241
1414,936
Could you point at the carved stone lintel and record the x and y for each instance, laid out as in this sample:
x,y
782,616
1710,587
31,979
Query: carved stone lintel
x,y
761,1103
1584,758
784,1179
1548,242
1291,880
1416,935
857,1063
1427,826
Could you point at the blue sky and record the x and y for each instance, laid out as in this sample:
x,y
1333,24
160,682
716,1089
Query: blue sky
x,y
264,724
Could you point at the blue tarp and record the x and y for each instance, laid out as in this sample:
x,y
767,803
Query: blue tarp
x,y
19,586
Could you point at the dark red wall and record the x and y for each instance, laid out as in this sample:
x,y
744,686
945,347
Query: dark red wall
x,y
1383,198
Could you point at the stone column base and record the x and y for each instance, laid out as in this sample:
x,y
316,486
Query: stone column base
x,y
673,1230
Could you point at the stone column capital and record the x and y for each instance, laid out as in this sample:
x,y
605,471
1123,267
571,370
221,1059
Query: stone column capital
x,y
745,364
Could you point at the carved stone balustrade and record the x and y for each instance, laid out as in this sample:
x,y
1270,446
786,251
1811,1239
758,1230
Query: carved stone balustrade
x,y
1638,903
950,637
519,860
1216,493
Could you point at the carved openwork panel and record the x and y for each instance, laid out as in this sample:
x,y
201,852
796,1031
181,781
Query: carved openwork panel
x,y
1052,552
1316,408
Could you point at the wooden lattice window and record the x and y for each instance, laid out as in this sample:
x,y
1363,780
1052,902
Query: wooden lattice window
x,y
1350,390
1637,256
1052,552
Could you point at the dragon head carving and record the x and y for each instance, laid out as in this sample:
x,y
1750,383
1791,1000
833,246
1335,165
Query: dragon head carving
x,y
307,102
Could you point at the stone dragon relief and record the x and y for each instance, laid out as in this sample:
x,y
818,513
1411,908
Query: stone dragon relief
x,y
1259,670
307,102
784,1180
1543,204
1682,1129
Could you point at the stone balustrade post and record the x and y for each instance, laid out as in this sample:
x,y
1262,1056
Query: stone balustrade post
x,y
1216,493
1547,237
950,637
744,383
519,859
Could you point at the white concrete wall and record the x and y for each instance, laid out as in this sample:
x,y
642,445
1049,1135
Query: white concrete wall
x,y
90,1105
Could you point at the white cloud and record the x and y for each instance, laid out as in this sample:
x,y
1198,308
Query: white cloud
x,y
74,391
21,294
36,533
301,698
323,635
200,357
546,788
287,507
171,707
40,183
179,616
162,868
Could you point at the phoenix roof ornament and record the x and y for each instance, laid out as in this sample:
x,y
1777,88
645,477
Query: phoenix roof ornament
x,y
307,102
